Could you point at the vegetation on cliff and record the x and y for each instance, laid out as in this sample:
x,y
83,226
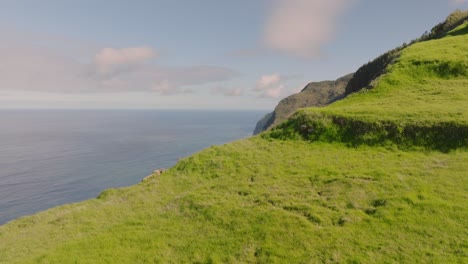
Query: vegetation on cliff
x,y
420,101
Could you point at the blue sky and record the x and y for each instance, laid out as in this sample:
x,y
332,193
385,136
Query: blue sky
x,y
183,54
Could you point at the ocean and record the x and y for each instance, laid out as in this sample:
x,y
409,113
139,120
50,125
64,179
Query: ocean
x,y
53,157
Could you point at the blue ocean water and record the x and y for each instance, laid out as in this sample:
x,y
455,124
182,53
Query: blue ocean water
x,y
53,157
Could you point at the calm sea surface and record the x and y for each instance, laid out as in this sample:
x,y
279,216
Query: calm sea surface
x,y
52,157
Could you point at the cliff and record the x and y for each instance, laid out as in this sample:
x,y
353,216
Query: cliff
x,y
314,94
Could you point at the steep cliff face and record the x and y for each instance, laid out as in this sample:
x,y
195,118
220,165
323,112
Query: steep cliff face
x,y
314,94
263,123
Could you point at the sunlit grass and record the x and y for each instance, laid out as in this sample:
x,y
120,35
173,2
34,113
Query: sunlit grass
x,y
256,200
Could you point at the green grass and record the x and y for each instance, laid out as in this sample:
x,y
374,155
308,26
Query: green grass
x,y
373,187
265,201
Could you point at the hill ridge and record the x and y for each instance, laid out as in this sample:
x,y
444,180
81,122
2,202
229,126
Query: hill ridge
x,y
366,77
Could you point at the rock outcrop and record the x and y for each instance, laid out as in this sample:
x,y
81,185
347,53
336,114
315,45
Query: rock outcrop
x,y
154,174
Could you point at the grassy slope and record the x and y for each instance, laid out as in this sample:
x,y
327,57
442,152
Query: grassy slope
x,y
428,84
267,200
257,200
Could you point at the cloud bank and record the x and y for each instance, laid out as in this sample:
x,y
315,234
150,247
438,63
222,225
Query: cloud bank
x,y
302,27
31,67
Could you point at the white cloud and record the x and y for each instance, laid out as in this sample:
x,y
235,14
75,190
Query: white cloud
x,y
267,81
274,92
302,27
109,59
270,86
30,67
458,2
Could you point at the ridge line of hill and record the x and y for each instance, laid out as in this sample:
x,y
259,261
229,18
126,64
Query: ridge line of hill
x,y
366,77
433,119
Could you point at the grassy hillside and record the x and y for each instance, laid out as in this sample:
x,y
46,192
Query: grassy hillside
x,y
420,101
367,74
261,201
384,181
326,92
428,83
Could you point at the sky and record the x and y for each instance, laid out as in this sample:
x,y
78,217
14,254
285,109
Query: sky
x,y
184,54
